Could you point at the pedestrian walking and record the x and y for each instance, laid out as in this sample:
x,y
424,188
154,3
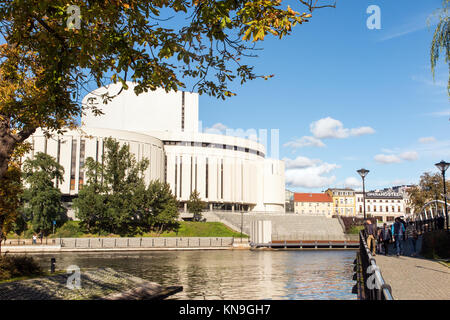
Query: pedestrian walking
x,y
34,238
412,236
371,233
385,238
398,232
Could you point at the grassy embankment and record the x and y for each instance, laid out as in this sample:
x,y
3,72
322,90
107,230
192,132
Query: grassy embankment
x,y
72,229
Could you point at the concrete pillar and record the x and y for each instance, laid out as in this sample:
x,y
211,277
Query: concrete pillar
x,y
232,208
210,207
185,207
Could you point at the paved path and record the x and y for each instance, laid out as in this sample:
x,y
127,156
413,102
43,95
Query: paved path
x,y
415,278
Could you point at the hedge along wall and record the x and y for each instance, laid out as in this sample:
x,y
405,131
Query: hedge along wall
x,y
436,245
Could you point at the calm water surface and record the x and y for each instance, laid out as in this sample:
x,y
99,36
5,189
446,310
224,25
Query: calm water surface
x,y
230,274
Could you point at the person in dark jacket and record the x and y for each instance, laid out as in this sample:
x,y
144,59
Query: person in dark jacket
x,y
385,238
398,232
371,233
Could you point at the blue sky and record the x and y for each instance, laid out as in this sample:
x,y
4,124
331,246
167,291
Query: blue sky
x,y
372,91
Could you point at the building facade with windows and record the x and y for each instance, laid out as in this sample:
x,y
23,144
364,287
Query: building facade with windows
x,y
383,205
343,201
320,204
230,173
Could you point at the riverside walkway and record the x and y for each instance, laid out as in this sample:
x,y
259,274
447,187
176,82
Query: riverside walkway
x,y
415,278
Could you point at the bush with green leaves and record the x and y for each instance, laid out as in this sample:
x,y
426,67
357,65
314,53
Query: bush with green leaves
x,y
42,199
115,199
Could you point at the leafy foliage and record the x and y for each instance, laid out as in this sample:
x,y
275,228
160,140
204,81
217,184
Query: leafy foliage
x,y
430,187
10,190
115,199
42,200
441,38
162,208
45,66
109,201
196,205
18,266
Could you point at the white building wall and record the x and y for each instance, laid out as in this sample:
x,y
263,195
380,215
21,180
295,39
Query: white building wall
x,y
142,146
152,125
157,110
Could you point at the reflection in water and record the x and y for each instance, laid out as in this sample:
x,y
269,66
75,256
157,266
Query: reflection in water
x,y
230,274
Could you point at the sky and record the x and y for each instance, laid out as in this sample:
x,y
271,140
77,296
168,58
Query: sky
x,y
345,97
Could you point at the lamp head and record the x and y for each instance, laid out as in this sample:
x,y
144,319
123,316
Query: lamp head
x,y
443,166
363,172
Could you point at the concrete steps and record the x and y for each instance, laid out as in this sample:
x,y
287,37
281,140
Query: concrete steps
x,y
286,226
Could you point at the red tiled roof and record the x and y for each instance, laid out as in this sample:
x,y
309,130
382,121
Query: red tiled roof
x,y
312,197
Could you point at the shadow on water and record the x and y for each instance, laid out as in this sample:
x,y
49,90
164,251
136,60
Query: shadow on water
x,y
230,274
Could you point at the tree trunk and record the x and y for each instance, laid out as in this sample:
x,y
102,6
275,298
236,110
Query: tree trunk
x,y
9,141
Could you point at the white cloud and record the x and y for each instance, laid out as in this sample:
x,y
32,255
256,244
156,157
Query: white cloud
x,y
362,131
306,141
352,182
409,155
300,162
427,139
332,128
387,158
443,113
309,173
217,128
396,158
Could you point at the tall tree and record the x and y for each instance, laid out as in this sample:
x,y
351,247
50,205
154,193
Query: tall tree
x,y
430,187
441,39
10,191
161,210
43,204
195,205
113,195
53,49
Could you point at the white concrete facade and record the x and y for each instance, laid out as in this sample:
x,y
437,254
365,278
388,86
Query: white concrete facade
x,y
230,173
73,148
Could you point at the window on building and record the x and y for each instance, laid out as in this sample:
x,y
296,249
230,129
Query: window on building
x,y
181,174
221,179
81,167
176,176
206,179
73,164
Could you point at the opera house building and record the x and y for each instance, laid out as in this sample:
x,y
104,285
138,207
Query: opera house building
x,y
230,173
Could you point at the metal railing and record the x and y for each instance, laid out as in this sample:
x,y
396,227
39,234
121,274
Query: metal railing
x,y
134,242
373,285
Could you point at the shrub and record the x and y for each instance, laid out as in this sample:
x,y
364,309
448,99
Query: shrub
x,y
436,245
18,266
71,229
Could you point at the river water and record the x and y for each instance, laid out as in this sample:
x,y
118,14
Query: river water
x,y
230,274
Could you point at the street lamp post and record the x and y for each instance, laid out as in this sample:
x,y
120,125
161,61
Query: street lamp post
x,y
363,173
443,166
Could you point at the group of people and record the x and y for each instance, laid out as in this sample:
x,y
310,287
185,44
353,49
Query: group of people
x,y
378,239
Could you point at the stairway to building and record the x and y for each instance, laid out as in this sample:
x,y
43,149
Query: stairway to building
x,y
284,226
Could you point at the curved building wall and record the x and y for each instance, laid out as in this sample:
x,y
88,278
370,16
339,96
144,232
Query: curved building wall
x,y
73,148
153,110
230,173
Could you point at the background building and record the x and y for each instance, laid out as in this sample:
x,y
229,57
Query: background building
x,y
313,204
383,205
230,173
343,201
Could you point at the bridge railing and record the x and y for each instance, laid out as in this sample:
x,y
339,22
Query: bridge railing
x,y
374,286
